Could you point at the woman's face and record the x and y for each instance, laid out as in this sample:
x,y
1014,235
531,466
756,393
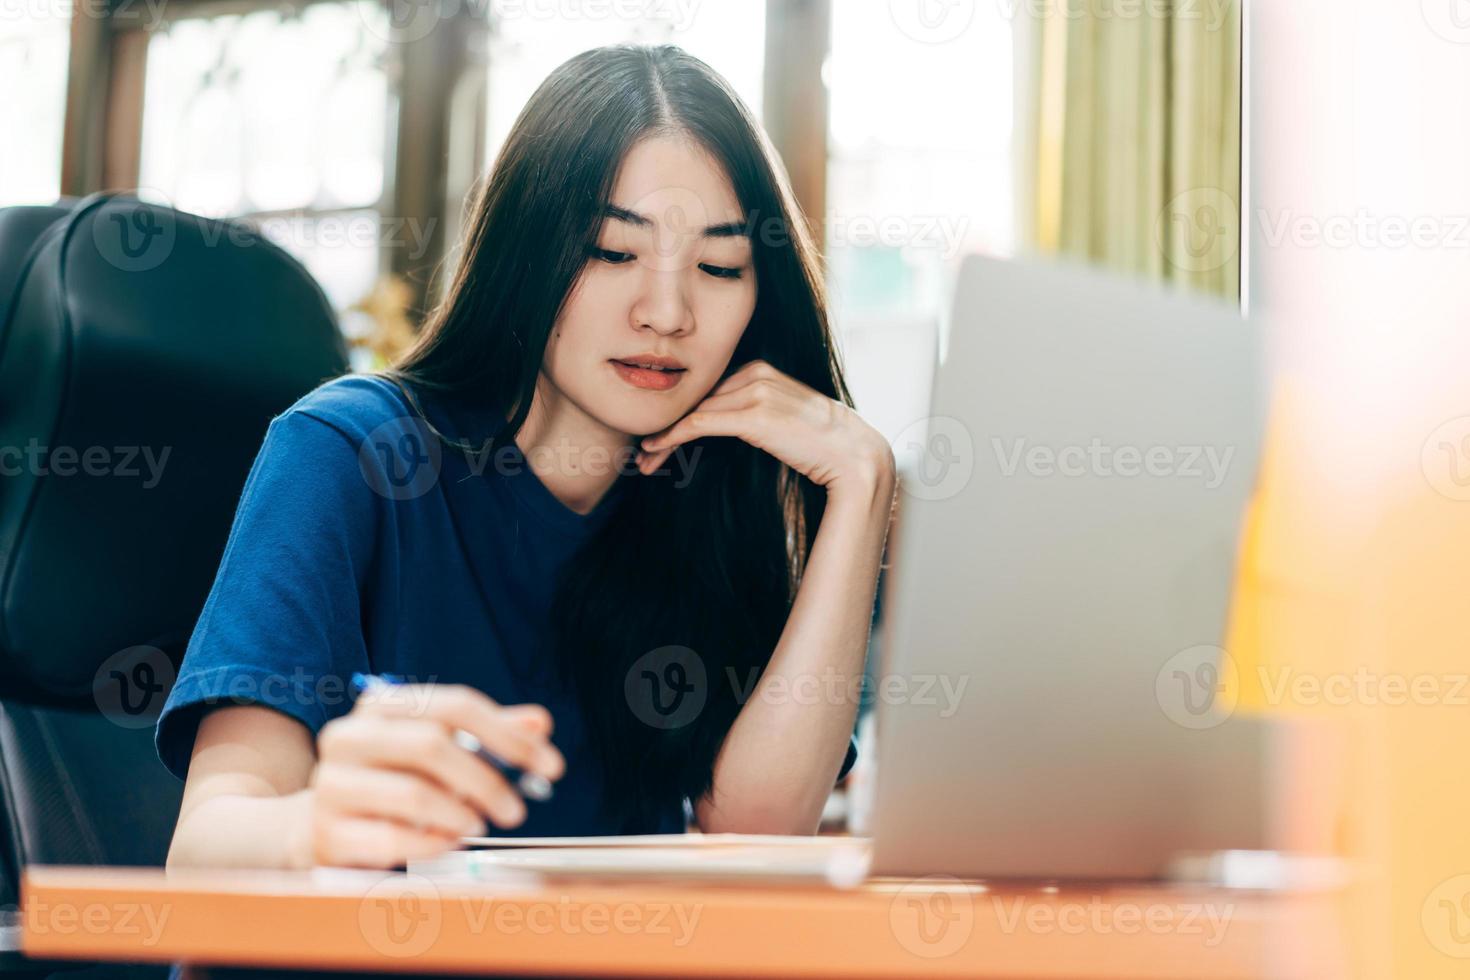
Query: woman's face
x,y
671,278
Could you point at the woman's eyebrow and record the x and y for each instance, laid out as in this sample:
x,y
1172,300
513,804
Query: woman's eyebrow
x,y
728,229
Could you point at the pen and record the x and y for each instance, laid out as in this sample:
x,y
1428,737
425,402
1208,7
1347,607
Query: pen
x,y
531,785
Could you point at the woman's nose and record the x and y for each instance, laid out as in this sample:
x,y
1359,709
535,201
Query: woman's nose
x,y
663,307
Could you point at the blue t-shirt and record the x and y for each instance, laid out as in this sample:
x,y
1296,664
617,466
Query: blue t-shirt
x,y
360,545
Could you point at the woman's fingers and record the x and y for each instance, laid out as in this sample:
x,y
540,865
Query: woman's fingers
x,y
361,842
532,717
755,385
428,748
459,706
405,797
391,783
740,422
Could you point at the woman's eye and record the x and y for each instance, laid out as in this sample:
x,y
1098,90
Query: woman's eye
x,y
720,271
608,255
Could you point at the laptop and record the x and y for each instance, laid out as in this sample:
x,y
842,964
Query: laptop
x,y
1064,557
1062,569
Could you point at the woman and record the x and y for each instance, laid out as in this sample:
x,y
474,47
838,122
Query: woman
x,y
650,584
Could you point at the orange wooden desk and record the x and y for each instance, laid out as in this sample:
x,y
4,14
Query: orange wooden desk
x,y
929,927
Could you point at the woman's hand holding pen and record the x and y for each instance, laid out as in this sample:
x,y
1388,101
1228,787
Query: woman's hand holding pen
x,y
393,783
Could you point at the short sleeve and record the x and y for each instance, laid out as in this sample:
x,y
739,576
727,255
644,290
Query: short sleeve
x,y
850,760
282,625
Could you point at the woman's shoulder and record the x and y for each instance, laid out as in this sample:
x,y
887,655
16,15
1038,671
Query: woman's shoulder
x,y
355,405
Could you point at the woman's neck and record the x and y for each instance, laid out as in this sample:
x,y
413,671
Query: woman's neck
x,y
576,457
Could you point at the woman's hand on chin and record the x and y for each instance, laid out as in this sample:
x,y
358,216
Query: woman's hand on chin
x,y
818,437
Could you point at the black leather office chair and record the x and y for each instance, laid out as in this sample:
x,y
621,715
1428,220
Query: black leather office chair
x,y
143,351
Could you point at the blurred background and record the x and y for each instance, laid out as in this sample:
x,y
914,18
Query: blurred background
x,y
351,133
1304,159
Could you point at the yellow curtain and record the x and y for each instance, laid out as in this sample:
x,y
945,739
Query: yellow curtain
x,y
1130,114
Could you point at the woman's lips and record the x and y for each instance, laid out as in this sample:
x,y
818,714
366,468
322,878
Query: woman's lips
x,y
650,379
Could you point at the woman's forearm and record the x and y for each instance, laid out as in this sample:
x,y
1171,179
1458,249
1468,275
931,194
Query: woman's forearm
x,y
232,830
786,747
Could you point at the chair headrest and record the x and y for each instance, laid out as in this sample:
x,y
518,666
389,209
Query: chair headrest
x,y
146,352
20,230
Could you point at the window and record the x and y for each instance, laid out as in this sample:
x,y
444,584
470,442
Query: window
x,y
279,117
33,53
919,173
526,47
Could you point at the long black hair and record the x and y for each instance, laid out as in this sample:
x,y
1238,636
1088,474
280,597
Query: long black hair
x,y
710,563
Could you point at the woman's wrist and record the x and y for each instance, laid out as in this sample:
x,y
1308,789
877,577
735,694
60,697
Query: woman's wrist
x,y
300,850
868,486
